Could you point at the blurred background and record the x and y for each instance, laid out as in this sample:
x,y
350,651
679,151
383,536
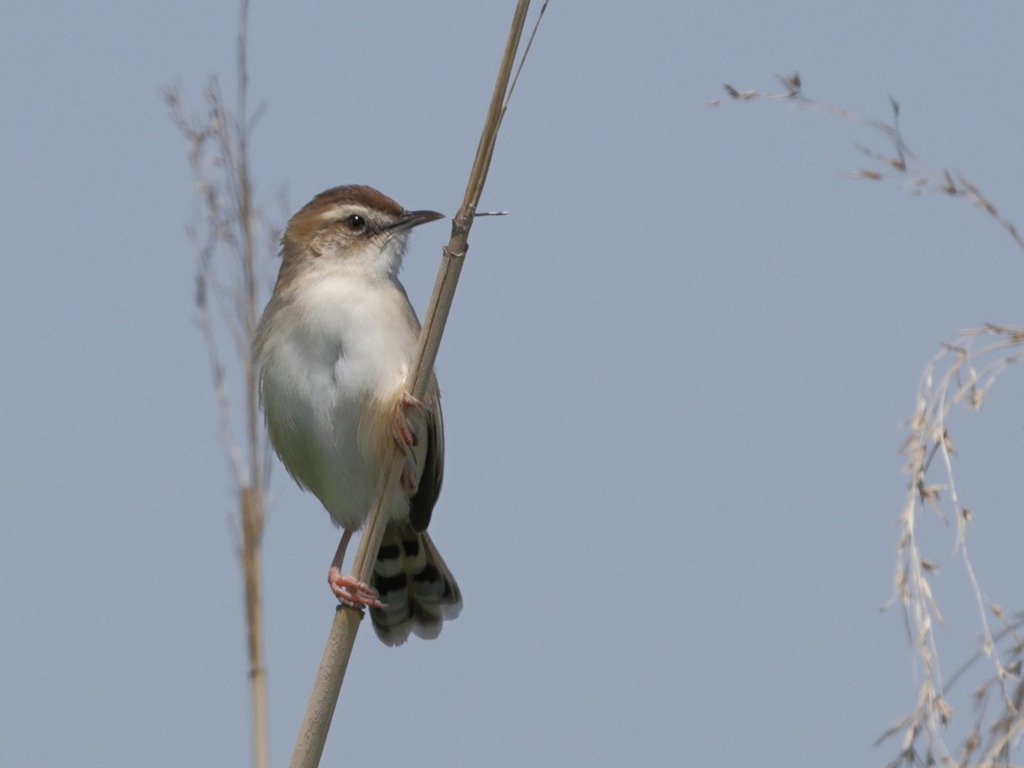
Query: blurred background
x,y
674,378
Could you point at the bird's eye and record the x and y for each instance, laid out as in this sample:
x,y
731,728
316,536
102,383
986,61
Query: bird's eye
x,y
355,223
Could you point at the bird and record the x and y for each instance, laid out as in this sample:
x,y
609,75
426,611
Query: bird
x,y
333,350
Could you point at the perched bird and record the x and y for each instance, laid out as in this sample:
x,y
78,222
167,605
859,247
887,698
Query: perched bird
x,y
334,348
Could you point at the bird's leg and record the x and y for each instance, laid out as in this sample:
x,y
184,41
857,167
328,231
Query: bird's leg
x,y
348,589
407,441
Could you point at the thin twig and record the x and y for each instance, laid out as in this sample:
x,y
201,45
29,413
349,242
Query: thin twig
x,y
960,375
327,686
228,298
919,175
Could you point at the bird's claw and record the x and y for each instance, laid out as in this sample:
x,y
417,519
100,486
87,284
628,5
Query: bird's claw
x,y
407,441
352,592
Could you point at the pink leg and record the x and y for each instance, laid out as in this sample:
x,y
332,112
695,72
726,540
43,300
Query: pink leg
x,y
349,590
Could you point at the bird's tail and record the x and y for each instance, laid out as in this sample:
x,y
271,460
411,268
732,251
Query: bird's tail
x,y
416,587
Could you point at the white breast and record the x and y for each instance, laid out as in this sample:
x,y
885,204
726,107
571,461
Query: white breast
x,y
343,340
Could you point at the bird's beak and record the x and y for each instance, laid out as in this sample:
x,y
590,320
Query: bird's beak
x,y
411,219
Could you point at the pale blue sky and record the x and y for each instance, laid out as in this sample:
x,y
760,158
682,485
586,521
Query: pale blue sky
x,y
674,378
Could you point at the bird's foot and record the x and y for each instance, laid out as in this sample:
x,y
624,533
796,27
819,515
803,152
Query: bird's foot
x,y
351,591
402,432
407,441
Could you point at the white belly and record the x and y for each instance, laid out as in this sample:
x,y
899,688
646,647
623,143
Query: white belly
x,y
328,358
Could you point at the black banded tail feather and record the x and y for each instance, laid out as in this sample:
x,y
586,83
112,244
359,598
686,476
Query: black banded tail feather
x,y
415,585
